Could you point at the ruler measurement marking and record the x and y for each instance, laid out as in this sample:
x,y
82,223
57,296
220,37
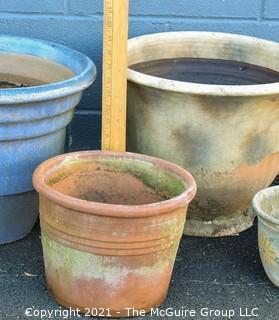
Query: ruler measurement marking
x,y
114,75
107,77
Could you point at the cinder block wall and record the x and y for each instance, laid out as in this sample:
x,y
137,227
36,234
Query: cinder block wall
x,y
78,24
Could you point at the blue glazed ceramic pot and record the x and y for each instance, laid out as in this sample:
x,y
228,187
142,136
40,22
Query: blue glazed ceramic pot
x,y
40,85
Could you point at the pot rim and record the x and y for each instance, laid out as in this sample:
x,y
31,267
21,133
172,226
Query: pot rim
x,y
196,88
115,210
85,73
257,207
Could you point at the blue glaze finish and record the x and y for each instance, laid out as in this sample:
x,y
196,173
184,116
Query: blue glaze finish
x,y
82,66
33,123
19,216
19,158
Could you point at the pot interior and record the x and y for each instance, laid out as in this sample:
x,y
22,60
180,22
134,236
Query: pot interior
x,y
18,70
207,71
205,58
268,202
115,181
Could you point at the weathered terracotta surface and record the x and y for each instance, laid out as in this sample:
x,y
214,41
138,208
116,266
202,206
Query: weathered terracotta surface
x,y
226,135
111,256
266,204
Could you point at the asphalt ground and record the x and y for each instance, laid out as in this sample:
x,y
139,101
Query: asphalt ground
x,y
221,274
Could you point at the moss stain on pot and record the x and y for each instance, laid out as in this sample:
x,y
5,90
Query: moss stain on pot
x,y
104,255
148,174
74,264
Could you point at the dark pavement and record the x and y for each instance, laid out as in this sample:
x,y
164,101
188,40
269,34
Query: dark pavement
x,y
224,273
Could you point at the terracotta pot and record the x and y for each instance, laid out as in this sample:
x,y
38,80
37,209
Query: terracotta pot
x,y
226,135
266,204
116,254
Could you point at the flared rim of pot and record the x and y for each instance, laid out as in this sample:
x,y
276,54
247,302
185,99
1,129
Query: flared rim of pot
x,y
139,44
257,203
114,210
83,68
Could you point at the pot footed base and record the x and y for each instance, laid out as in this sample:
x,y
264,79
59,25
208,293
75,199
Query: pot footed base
x,y
221,226
18,214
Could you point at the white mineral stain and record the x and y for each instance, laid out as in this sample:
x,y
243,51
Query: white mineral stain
x,y
79,264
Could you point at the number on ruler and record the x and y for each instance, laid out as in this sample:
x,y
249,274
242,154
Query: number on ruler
x,y
107,78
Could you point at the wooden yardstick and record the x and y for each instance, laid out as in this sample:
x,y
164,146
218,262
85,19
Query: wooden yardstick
x,y
115,75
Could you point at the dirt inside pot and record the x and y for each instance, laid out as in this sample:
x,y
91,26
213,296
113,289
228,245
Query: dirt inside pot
x,y
13,81
21,70
208,71
94,182
7,85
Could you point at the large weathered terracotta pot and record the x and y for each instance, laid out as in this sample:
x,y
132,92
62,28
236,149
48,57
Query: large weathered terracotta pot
x,y
266,204
226,135
111,225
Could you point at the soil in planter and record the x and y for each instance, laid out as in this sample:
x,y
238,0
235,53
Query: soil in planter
x,y
8,85
100,184
18,82
208,71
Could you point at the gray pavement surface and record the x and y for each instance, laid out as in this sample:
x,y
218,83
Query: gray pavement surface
x,y
220,274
